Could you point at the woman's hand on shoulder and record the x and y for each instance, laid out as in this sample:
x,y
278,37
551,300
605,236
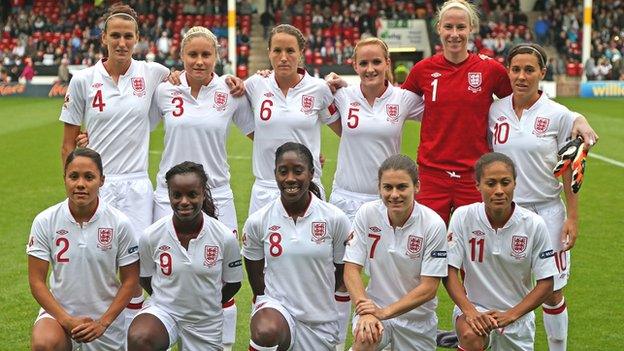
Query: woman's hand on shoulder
x,y
236,85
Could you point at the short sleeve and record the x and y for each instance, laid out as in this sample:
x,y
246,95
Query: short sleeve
x,y
73,109
243,116
356,249
411,83
251,83
253,248
148,266
435,262
456,249
232,264
566,123
158,72
415,105
326,115
38,245
340,236
542,262
155,113
127,249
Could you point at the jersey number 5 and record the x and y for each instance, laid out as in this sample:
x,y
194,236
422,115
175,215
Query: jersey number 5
x,y
353,119
98,101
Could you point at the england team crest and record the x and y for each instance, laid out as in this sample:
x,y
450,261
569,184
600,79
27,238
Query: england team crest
x,y
474,81
138,84
211,255
105,238
518,246
220,100
307,103
414,246
319,231
392,110
541,125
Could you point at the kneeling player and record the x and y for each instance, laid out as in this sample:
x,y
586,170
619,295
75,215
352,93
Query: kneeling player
x,y
403,245
501,247
293,249
190,265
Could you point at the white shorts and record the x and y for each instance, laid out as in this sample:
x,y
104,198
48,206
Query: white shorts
x,y
223,198
554,214
404,334
303,335
263,192
348,201
229,324
131,194
112,340
192,336
518,336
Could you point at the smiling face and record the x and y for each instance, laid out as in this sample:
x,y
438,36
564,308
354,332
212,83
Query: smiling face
x,y
120,38
199,56
397,190
454,29
186,194
82,182
525,74
293,176
371,65
284,54
496,186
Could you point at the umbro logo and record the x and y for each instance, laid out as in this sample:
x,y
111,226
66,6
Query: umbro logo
x,y
274,228
61,232
269,94
164,248
375,229
436,75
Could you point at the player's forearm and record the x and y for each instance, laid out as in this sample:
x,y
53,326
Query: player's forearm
x,y
534,298
456,290
424,292
229,290
255,275
129,276
70,132
353,281
46,300
570,196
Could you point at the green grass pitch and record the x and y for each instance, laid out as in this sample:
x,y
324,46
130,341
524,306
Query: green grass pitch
x,y
31,180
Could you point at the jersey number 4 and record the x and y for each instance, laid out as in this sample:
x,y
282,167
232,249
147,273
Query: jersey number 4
x,y
98,101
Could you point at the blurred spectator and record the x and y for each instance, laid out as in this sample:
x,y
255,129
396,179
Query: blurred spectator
x,y
28,72
590,68
541,29
265,20
63,72
603,70
164,43
4,76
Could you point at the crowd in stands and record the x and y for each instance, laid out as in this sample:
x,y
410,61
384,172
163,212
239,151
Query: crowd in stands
x,y
49,32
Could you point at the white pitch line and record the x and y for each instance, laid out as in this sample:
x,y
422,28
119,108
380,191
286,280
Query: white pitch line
x,y
607,160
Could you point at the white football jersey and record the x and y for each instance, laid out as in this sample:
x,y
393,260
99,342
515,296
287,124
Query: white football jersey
x,y
370,134
278,119
397,258
187,283
532,143
499,264
115,115
299,257
84,260
197,129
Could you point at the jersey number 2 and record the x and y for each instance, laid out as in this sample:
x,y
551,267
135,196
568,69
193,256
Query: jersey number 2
x,y
64,244
98,101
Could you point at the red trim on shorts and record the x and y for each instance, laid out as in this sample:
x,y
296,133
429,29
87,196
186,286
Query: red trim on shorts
x,y
228,304
342,298
251,348
557,310
135,306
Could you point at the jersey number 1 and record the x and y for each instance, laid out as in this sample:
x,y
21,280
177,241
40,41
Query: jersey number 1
x,y
434,94
98,101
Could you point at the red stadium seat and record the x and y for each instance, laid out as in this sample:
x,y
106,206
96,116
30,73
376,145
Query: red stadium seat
x,y
571,69
242,71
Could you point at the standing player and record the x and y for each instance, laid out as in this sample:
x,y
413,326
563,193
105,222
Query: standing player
x,y
396,237
293,249
530,128
372,116
87,243
501,247
112,99
190,265
197,115
288,105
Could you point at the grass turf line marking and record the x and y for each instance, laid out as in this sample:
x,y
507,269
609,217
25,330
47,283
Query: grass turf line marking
x,y
607,160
